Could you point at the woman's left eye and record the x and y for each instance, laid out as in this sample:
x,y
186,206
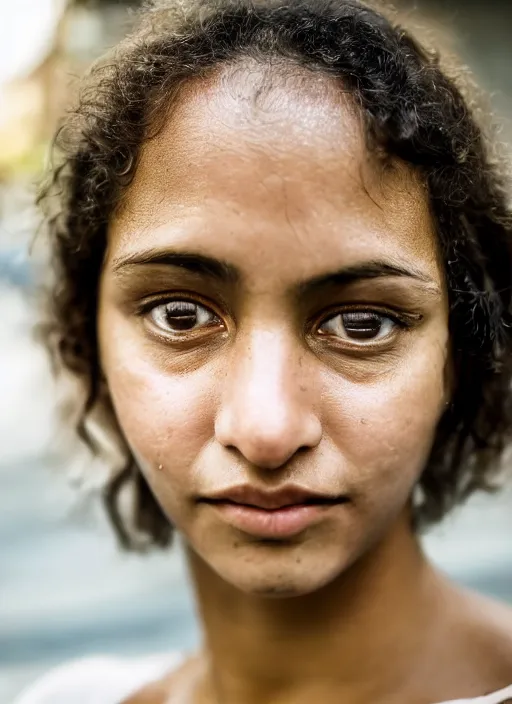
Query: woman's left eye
x,y
359,326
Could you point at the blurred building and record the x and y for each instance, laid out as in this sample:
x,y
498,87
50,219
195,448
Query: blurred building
x,y
46,45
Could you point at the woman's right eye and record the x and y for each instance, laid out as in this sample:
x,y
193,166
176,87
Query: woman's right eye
x,y
179,317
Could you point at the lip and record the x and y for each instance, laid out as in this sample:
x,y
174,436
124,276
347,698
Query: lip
x,y
271,500
272,515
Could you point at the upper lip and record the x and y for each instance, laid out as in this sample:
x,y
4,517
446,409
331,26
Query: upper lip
x,y
271,500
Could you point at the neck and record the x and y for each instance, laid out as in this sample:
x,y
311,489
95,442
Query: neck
x,y
355,638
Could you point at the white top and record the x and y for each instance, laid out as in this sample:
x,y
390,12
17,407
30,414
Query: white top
x,y
109,680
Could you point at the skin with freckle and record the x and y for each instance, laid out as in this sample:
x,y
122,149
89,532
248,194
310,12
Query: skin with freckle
x,y
260,395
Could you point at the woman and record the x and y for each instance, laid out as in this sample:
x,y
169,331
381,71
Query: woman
x,y
283,256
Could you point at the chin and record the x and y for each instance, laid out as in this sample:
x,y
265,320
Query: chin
x,y
279,570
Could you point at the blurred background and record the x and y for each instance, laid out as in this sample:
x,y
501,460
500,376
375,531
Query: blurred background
x,y
65,589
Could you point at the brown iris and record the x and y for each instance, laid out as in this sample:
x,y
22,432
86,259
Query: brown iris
x,y
181,315
362,325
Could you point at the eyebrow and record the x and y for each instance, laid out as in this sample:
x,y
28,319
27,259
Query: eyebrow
x,y
191,261
225,272
359,272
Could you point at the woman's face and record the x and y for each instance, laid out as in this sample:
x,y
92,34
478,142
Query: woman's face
x,y
273,329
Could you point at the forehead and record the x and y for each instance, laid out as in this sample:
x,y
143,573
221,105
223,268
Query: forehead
x,y
258,153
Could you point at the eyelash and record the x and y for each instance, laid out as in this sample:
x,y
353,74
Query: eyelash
x,y
147,306
365,346
398,319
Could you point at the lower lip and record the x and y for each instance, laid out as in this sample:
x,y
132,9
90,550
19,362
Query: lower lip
x,y
274,524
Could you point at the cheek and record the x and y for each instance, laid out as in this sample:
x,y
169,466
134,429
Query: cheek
x,y
166,419
157,412
385,428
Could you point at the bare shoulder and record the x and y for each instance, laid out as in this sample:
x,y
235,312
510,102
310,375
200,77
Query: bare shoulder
x,y
488,630
471,653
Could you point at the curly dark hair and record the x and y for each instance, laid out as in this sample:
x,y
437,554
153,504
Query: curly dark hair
x,y
414,109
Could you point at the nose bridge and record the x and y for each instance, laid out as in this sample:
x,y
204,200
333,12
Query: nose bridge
x,y
268,409
267,372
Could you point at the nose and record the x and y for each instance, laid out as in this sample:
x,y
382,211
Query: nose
x,y
267,411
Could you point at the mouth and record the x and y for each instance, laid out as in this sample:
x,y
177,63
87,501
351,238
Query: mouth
x,y
272,515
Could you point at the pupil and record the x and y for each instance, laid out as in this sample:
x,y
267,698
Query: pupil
x,y
181,315
362,326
